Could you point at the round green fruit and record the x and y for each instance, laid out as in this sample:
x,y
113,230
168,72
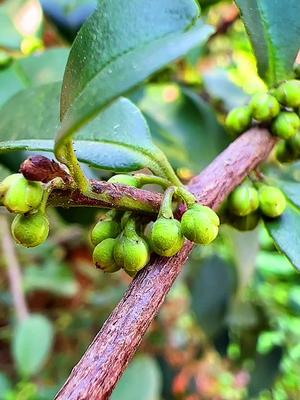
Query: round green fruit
x,y
131,253
166,237
294,143
20,195
30,230
286,124
103,255
272,201
200,224
284,152
238,120
128,180
104,230
264,107
247,223
243,200
288,93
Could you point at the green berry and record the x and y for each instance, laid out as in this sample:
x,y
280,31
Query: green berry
x,y
103,255
122,179
247,223
131,253
286,124
294,143
284,152
104,230
20,195
166,237
243,200
200,224
238,120
264,107
272,201
288,93
30,230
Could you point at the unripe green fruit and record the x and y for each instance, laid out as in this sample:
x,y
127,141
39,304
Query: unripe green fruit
x,y
200,224
239,119
294,143
166,237
104,230
284,152
20,195
131,253
271,201
247,223
128,180
288,93
264,107
30,230
243,200
103,255
286,124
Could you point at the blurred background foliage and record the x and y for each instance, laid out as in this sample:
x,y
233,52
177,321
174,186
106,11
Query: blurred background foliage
x,y
230,327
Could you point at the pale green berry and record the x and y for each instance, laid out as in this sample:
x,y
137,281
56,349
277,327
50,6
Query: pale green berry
x,y
104,230
166,237
239,120
288,93
30,230
264,107
286,124
272,201
103,255
243,200
123,179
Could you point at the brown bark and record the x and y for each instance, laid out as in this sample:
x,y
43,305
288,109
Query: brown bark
x,y
97,373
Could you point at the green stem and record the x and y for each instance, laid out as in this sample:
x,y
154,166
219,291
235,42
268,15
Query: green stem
x,y
186,196
166,205
56,183
152,180
169,173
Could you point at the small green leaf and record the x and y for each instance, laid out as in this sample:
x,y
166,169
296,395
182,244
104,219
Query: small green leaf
x,y
285,232
120,46
274,30
118,139
141,381
32,343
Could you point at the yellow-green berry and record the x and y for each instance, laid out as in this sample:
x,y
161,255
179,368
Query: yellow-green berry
x,y
238,120
104,230
30,230
123,179
103,255
200,224
243,200
264,107
286,124
166,237
288,93
272,201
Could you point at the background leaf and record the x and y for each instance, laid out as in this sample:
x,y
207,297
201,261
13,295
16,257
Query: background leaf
x,y
141,381
119,47
274,30
32,343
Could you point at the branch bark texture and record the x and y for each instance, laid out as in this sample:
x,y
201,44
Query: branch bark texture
x,y
97,373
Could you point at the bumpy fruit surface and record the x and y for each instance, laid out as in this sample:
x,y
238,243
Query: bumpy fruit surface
x,y
286,124
264,107
239,119
124,180
131,253
288,93
271,201
20,195
104,230
166,237
247,223
200,224
243,200
285,152
30,230
103,255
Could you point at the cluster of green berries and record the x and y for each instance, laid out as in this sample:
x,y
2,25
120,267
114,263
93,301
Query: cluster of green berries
x,y
22,197
279,108
128,242
246,204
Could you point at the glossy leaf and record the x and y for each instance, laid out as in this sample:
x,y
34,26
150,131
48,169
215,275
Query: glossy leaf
x,y
32,343
274,30
141,381
286,234
118,139
120,46
35,70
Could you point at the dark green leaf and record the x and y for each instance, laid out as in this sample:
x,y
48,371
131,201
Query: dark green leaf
x,y
120,46
291,190
274,30
32,343
118,139
183,126
286,234
141,381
